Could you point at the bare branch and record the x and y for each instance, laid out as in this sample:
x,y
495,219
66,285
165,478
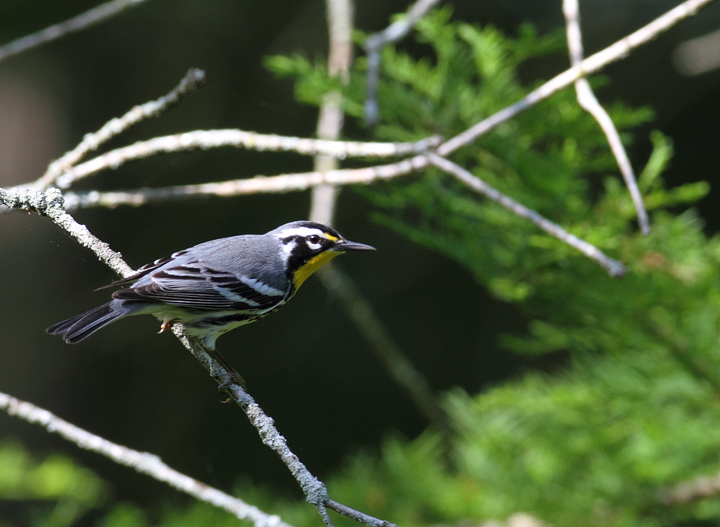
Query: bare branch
x,y
239,187
238,138
194,79
592,64
82,21
142,462
374,44
613,267
586,98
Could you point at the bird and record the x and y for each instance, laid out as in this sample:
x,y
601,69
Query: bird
x,y
219,285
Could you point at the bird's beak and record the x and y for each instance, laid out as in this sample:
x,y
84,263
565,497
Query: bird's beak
x,y
352,246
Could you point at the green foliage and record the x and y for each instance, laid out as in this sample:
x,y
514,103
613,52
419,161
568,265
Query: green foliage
x,y
635,410
61,491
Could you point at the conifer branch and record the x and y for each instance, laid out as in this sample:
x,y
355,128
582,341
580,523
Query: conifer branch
x,y
613,267
373,46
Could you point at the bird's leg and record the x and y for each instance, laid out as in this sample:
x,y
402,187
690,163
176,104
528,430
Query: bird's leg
x,y
234,376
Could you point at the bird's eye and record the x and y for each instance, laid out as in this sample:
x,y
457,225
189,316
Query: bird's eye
x,y
314,239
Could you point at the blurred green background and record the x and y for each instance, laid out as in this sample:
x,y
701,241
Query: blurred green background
x,y
307,366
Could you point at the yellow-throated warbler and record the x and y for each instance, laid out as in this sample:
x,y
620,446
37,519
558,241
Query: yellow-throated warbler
x,y
218,285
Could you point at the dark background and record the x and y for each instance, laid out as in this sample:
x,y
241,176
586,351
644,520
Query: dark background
x,y
307,366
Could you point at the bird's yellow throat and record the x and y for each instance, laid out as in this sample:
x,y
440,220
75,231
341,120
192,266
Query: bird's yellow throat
x,y
313,265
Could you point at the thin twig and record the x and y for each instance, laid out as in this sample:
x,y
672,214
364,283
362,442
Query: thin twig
x,y
689,491
402,371
374,44
613,267
82,21
194,79
241,139
592,64
586,98
142,462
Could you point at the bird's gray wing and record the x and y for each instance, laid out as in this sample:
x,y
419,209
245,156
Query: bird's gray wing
x,y
193,285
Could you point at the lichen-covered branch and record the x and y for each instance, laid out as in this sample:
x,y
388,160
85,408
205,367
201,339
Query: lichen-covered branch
x,y
142,462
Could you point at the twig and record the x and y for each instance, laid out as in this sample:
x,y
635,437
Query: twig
x,y
586,98
692,490
82,21
239,138
142,462
374,44
194,79
592,64
613,267
402,371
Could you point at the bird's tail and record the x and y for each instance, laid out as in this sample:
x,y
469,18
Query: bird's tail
x,y
82,326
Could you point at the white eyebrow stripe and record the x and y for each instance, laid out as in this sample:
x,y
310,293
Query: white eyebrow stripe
x,y
301,231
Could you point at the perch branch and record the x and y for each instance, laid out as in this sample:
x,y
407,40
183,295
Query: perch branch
x,y
142,462
82,21
613,267
586,98
592,64
314,490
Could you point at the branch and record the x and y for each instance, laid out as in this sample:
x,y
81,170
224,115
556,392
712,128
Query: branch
x,y
592,64
586,98
238,138
82,21
142,462
374,44
194,79
613,267
239,187
330,120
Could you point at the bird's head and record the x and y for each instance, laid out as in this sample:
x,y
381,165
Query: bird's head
x,y
307,246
